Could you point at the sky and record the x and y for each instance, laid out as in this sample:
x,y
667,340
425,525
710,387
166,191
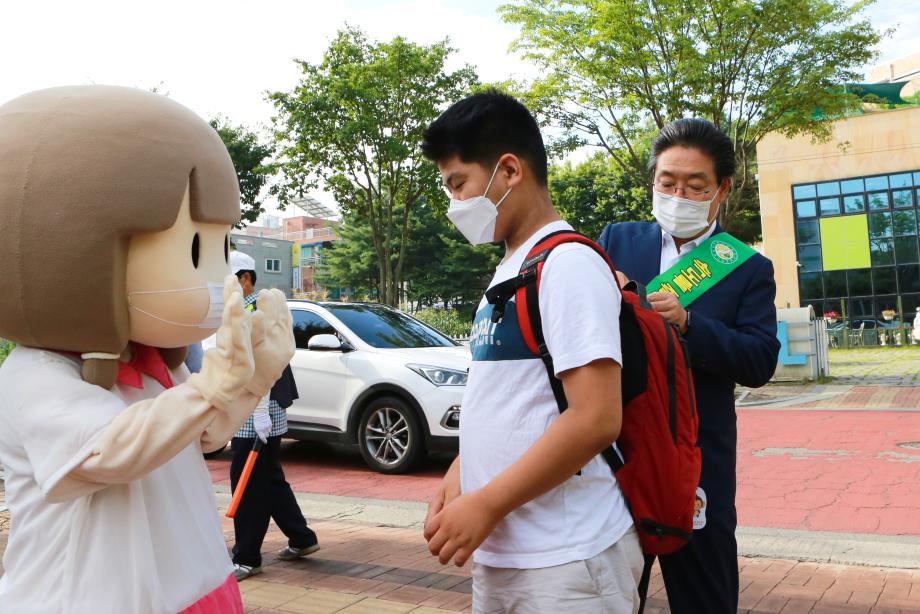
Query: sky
x,y
222,56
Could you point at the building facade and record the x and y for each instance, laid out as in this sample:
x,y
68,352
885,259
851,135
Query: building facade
x,y
840,218
274,268
307,236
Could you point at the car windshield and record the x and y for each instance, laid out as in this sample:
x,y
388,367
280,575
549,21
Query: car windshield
x,y
383,327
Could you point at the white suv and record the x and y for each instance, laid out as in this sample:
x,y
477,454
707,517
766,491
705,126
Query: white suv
x,y
372,375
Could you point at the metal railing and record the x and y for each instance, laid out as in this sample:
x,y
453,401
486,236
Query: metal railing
x,y
300,235
867,332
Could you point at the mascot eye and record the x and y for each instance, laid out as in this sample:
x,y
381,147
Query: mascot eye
x,y
227,248
195,249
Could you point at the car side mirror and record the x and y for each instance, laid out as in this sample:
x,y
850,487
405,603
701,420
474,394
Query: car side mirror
x,y
325,343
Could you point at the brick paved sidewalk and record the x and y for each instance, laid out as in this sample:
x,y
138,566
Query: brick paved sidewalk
x,y
369,569
366,569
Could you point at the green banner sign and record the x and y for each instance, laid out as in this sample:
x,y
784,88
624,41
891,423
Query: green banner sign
x,y
711,262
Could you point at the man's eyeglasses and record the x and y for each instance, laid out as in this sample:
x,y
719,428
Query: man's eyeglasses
x,y
667,186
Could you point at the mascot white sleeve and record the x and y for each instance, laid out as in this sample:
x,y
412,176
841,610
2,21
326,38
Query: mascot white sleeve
x,y
115,209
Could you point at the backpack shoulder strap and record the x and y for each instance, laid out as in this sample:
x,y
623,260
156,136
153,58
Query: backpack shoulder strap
x,y
525,287
527,303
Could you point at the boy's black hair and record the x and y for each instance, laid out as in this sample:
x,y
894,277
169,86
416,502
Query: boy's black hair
x,y
252,275
483,127
696,134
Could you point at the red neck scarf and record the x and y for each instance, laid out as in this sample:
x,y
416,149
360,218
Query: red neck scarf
x,y
146,361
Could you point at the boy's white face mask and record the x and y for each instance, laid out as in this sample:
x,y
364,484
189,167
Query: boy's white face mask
x,y
475,217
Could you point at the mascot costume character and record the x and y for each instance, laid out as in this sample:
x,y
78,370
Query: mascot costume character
x,y
102,428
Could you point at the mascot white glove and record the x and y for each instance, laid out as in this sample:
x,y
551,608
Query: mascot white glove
x,y
228,368
272,341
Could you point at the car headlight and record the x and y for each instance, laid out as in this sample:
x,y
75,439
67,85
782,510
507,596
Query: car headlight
x,y
440,376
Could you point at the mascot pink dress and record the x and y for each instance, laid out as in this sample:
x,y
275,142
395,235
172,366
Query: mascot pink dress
x,y
115,209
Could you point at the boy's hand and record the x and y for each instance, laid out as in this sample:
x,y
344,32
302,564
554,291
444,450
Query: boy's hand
x,y
448,490
461,527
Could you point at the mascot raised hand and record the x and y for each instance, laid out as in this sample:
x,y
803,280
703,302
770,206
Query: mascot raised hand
x,y
115,211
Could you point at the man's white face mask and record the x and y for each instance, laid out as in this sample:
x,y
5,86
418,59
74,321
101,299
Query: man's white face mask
x,y
475,217
681,217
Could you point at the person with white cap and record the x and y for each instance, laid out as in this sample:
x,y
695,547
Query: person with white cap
x,y
268,494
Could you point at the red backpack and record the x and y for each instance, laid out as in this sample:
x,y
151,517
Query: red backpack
x,y
658,438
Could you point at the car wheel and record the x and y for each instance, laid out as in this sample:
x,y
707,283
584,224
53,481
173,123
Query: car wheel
x,y
215,453
390,436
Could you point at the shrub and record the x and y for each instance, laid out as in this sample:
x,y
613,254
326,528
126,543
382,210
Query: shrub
x,y
5,348
449,321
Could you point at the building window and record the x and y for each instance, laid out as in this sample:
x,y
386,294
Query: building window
x,y
878,200
857,239
831,188
905,250
876,183
810,257
859,282
909,279
884,280
835,283
853,186
273,265
805,208
830,206
900,181
879,225
803,191
882,252
811,286
854,203
902,199
807,232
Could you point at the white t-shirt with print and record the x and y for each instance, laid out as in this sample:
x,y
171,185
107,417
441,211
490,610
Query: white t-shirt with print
x,y
509,404
151,546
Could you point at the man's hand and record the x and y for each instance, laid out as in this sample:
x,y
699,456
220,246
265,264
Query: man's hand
x,y
262,422
227,368
669,307
448,490
460,528
272,341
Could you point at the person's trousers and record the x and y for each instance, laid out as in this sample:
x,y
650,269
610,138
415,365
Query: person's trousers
x,y
268,496
702,577
604,583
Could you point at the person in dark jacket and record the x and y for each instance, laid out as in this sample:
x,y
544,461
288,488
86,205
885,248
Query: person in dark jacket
x,y
730,332
268,494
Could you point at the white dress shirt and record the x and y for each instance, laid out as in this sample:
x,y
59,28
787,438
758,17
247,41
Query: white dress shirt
x,y
669,252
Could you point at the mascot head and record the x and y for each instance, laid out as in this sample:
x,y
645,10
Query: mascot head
x,y
115,211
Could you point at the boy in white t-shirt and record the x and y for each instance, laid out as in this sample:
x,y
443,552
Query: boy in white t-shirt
x,y
539,506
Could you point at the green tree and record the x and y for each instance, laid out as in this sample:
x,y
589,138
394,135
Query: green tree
x,y
5,348
354,122
252,160
440,266
350,261
596,192
613,67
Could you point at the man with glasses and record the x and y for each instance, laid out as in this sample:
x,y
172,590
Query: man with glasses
x,y
719,293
